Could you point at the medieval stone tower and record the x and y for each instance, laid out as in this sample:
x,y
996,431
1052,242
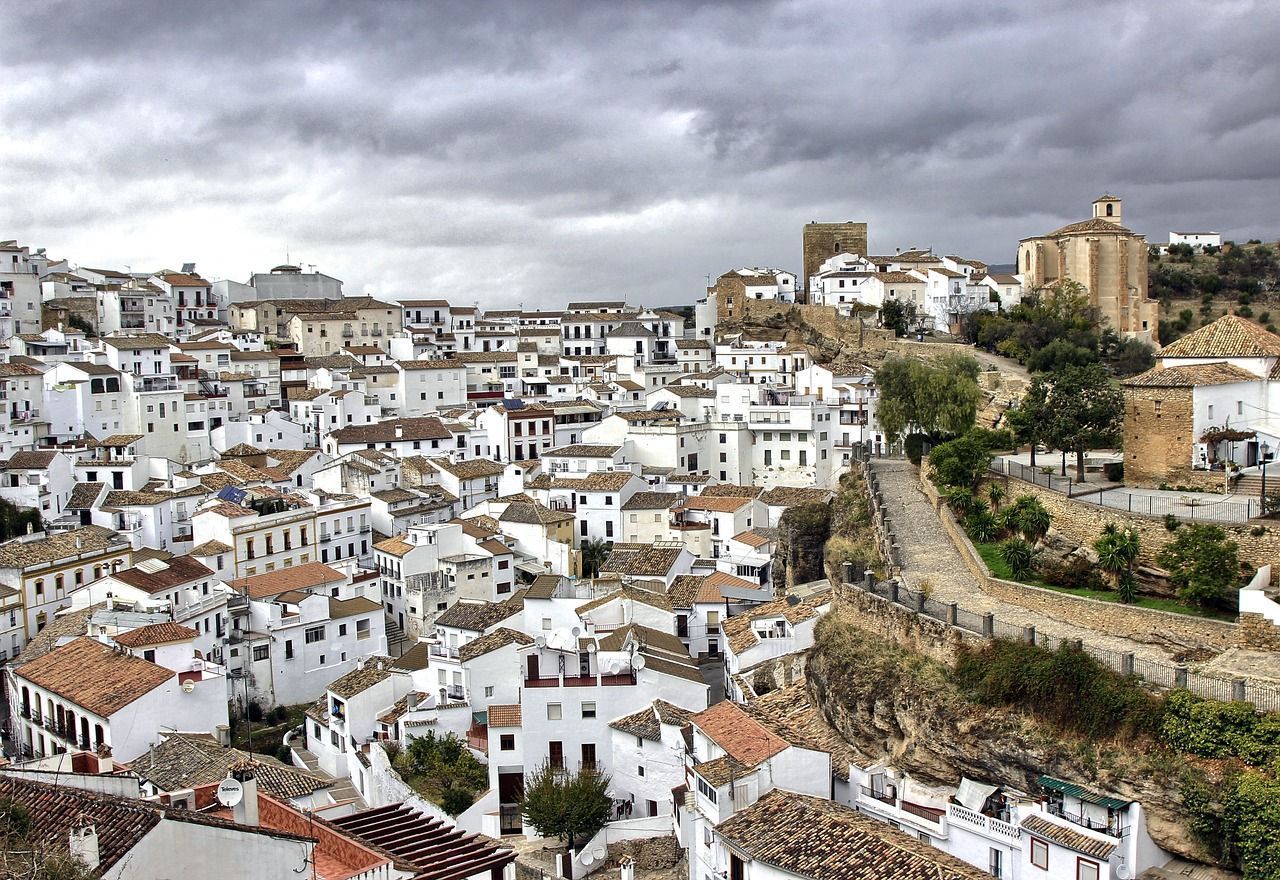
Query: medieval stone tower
x,y
824,240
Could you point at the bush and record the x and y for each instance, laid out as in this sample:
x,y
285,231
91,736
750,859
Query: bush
x,y
914,445
982,526
1212,729
1066,687
960,463
1202,563
1251,826
1114,471
454,800
1171,522
1027,516
1075,574
1017,554
254,711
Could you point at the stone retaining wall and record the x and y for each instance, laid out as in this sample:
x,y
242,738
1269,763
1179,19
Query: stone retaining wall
x,y
1129,621
902,626
1083,524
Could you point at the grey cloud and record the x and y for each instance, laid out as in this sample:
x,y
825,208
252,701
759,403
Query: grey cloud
x,y
531,152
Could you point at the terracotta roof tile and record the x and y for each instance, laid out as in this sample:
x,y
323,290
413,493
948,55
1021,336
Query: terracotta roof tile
x,y
296,577
156,634
504,716
93,676
1228,337
1218,373
1082,843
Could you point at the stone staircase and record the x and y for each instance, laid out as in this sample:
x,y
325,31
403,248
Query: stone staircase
x,y
397,641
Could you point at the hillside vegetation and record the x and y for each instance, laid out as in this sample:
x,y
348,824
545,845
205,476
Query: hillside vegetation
x,y
1196,288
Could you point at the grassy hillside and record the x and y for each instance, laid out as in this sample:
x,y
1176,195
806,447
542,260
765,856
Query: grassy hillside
x,y
1196,288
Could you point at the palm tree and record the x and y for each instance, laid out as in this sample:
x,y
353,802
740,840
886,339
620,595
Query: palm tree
x,y
1117,551
1017,554
962,500
1028,516
996,494
594,552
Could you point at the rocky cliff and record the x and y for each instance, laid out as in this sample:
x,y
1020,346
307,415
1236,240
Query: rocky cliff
x,y
903,708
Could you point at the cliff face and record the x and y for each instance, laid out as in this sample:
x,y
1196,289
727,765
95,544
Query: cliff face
x,y
898,706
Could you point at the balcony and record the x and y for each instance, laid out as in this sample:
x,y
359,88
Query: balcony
x,y
443,651
542,682
961,815
1114,826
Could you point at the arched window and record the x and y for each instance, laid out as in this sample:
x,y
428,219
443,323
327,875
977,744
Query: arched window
x,y
97,734
1027,262
1110,210
96,386
113,384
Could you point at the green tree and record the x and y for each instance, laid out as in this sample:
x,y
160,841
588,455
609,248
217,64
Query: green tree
x,y
1202,563
960,463
1030,418
1086,411
445,770
995,495
898,316
939,398
1117,551
572,807
594,553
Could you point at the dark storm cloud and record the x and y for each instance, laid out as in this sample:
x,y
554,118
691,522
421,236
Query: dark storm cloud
x,y
535,152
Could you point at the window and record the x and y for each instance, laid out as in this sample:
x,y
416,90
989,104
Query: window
x,y
640,770
546,623
1040,854
342,629
288,649
553,711
149,655
507,742
588,710
261,652
1086,870
488,691
996,864
314,634
705,789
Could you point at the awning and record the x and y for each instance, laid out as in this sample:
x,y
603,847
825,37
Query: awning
x,y
975,795
531,567
480,718
1089,796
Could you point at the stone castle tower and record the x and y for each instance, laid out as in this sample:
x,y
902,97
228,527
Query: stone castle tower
x,y
824,240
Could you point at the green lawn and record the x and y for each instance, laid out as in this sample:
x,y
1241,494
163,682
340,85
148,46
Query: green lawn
x,y
990,554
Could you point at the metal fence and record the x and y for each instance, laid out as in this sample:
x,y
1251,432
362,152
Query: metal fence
x,y
1264,696
1184,505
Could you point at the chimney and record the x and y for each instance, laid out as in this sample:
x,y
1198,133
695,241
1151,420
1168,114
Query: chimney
x,y
105,764
411,701
399,431
246,812
223,734
84,847
79,542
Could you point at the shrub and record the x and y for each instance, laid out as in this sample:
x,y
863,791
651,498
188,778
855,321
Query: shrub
x,y
1171,522
982,526
1017,554
254,711
1065,687
1027,516
1076,573
1251,826
960,462
1114,471
914,445
1213,729
1202,563
961,500
995,495
454,800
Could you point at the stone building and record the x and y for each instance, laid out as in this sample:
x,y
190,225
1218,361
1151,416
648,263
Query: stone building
x,y
1208,401
821,241
1107,258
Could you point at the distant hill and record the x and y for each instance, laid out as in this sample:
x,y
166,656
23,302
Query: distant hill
x,y
1197,288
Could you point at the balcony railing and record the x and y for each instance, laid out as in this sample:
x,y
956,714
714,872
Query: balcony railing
x,y
964,816
882,796
1114,826
542,682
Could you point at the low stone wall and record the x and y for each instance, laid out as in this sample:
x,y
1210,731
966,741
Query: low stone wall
x,y
1083,523
902,626
1129,621
651,854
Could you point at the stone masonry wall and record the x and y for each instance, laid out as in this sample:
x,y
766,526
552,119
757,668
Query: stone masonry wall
x,y
902,626
1083,524
1109,617
1157,436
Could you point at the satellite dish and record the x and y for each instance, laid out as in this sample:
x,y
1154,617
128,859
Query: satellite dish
x,y
592,647
587,858
599,853
188,686
1123,872
540,642
577,631
230,792
639,662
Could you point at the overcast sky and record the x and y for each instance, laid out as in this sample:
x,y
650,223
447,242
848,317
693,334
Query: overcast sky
x,y
537,152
